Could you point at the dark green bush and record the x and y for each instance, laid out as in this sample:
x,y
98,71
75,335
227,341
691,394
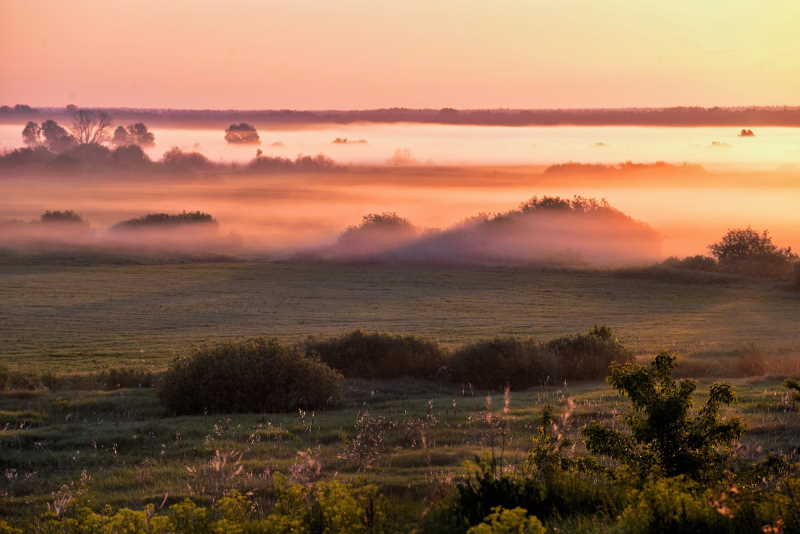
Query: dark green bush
x,y
586,356
665,436
378,355
495,363
523,363
257,375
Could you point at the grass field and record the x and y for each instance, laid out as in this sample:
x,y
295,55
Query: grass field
x,y
75,319
409,437
416,437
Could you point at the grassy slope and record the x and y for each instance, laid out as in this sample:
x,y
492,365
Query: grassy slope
x,y
73,319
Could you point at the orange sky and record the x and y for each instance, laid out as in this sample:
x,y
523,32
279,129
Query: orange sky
x,y
347,54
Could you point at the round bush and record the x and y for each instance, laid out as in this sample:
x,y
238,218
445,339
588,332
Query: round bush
x,y
378,355
257,375
495,363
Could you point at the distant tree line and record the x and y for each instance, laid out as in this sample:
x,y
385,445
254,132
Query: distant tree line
x,y
736,117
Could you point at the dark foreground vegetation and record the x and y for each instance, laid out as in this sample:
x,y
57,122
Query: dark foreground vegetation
x,y
676,458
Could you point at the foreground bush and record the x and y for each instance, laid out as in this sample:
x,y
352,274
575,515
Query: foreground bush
x,y
378,355
324,507
258,375
665,436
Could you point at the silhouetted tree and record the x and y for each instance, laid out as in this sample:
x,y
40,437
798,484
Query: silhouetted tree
x,y
141,135
89,127
56,137
121,137
242,133
745,250
32,134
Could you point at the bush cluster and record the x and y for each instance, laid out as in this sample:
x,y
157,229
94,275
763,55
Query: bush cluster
x,y
378,355
524,363
323,507
257,375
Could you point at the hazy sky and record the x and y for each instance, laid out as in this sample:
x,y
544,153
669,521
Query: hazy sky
x,y
415,53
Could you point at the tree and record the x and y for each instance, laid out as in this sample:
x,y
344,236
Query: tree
x,y
89,127
665,436
242,133
134,134
745,250
141,135
32,134
121,137
56,137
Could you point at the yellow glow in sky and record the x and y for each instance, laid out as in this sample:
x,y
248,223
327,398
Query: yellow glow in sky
x,y
349,54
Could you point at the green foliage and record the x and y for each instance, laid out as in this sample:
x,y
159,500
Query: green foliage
x,y
330,507
257,375
587,356
502,521
494,363
524,363
378,355
743,250
665,436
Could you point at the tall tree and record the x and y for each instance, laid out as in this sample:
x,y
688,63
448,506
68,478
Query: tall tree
x,y
32,134
90,127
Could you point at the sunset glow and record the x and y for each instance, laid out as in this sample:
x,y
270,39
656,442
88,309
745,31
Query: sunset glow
x,y
308,54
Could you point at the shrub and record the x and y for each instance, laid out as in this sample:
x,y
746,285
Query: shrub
x,y
178,161
495,363
748,252
156,220
242,133
524,363
502,521
257,375
693,263
62,217
586,356
324,507
378,355
5,377
664,435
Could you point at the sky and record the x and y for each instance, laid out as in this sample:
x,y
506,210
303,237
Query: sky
x,y
357,54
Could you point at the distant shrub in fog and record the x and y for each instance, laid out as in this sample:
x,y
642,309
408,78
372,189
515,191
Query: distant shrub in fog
x,y
129,157
83,156
301,163
378,355
745,251
257,375
242,133
161,220
178,161
694,263
61,217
